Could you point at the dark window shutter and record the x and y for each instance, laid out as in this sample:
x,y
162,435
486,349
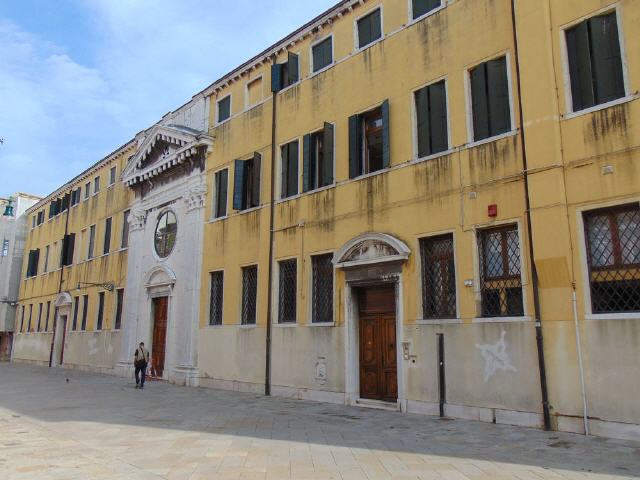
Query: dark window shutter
x,y
292,178
70,247
107,236
605,58
327,155
421,7
239,193
376,25
308,166
438,117
479,102
255,193
580,67
355,146
284,171
499,112
386,135
364,31
422,122
276,77
292,68
223,178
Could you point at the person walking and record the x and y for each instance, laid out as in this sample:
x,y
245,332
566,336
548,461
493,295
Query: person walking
x,y
140,361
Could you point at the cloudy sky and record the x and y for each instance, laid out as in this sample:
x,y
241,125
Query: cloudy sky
x,y
78,78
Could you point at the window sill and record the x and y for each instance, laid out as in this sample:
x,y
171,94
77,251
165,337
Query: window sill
x,y
216,327
289,87
218,219
288,199
434,156
502,320
428,14
495,138
439,321
321,324
322,70
248,210
371,174
285,325
248,108
218,123
248,326
369,45
602,106
613,316
320,189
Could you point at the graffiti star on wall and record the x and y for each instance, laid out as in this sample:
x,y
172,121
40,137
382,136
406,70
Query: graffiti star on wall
x,y
495,358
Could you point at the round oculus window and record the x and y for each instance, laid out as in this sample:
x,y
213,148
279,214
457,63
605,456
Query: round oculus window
x,y
165,237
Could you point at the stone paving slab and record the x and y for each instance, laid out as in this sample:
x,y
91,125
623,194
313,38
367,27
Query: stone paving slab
x,y
101,427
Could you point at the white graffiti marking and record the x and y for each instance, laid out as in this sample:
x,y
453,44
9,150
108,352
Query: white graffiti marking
x,y
495,358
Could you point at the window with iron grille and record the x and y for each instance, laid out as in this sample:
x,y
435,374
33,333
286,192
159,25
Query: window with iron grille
x,y
438,277
85,311
39,326
288,280
100,311
119,306
322,288
249,294
500,269
30,315
76,303
613,249
216,300
46,325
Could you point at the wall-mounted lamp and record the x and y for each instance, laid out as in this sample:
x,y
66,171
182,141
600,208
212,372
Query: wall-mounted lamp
x,y
108,286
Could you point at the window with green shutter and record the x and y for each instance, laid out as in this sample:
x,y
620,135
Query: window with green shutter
x,y
431,118
322,54
289,155
221,186
285,74
422,7
224,109
369,28
246,183
490,99
318,158
369,141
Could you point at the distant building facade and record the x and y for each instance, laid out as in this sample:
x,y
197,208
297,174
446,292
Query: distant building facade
x,y
402,205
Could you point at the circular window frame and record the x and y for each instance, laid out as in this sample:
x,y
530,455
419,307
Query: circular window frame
x,y
160,217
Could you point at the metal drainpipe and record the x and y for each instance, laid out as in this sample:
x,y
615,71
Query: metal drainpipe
x,y
534,271
267,379
55,318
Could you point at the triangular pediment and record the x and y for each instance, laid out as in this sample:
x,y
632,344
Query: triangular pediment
x,y
164,147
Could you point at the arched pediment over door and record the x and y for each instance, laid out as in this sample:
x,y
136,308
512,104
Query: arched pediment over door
x,y
160,280
369,249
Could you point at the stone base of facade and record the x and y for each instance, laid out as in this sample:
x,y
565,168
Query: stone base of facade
x,y
308,394
599,428
185,375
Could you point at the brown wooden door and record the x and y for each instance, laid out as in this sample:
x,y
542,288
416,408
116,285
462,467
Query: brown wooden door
x,y
378,347
159,336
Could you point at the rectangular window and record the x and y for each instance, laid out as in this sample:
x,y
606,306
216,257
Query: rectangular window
x,y
500,279
92,241
100,311
30,315
318,154
254,92
613,251
22,319
249,294
76,304
246,183
490,99
68,246
288,287
322,54
289,164
369,28
125,229
107,236
75,196
438,277
431,119
216,298
87,190
119,306
422,7
285,74
39,326
5,247
33,222
220,200
595,62
112,176
322,288
32,263
46,325
224,109
369,148
96,185
46,259
85,312
40,217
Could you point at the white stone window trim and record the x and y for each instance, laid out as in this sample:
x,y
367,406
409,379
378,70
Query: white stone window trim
x,y
279,171
248,106
524,319
230,97
414,119
443,4
240,284
584,261
208,317
333,54
564,56
356,36
471,141
310,322
275,297
214,197
439,321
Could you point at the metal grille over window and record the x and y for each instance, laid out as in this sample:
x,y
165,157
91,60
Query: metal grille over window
x,y
215,310
613,244
287,291
249,294
438,277
322,289
500,281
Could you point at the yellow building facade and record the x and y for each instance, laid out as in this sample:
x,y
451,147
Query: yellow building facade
x,y
423,205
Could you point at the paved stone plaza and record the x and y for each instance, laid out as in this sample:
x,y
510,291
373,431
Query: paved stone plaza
x,y
100,427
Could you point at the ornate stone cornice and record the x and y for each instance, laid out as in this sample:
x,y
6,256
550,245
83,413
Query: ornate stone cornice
x,y
137,220
195,197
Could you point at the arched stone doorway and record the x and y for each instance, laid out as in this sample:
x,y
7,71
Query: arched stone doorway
x,y
372,266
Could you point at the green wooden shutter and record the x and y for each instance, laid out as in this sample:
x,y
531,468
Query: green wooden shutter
x,y
255,191
422,122
239,194
376,25
293,168
292,68
438,117
499,111
386,135
222,193
71,246
276,77
355,146
307,167
326,167
421,7
479,102
580,67
606,61
284,170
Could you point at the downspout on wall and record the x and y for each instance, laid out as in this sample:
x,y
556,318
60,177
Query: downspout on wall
x,y
60,282
534,272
